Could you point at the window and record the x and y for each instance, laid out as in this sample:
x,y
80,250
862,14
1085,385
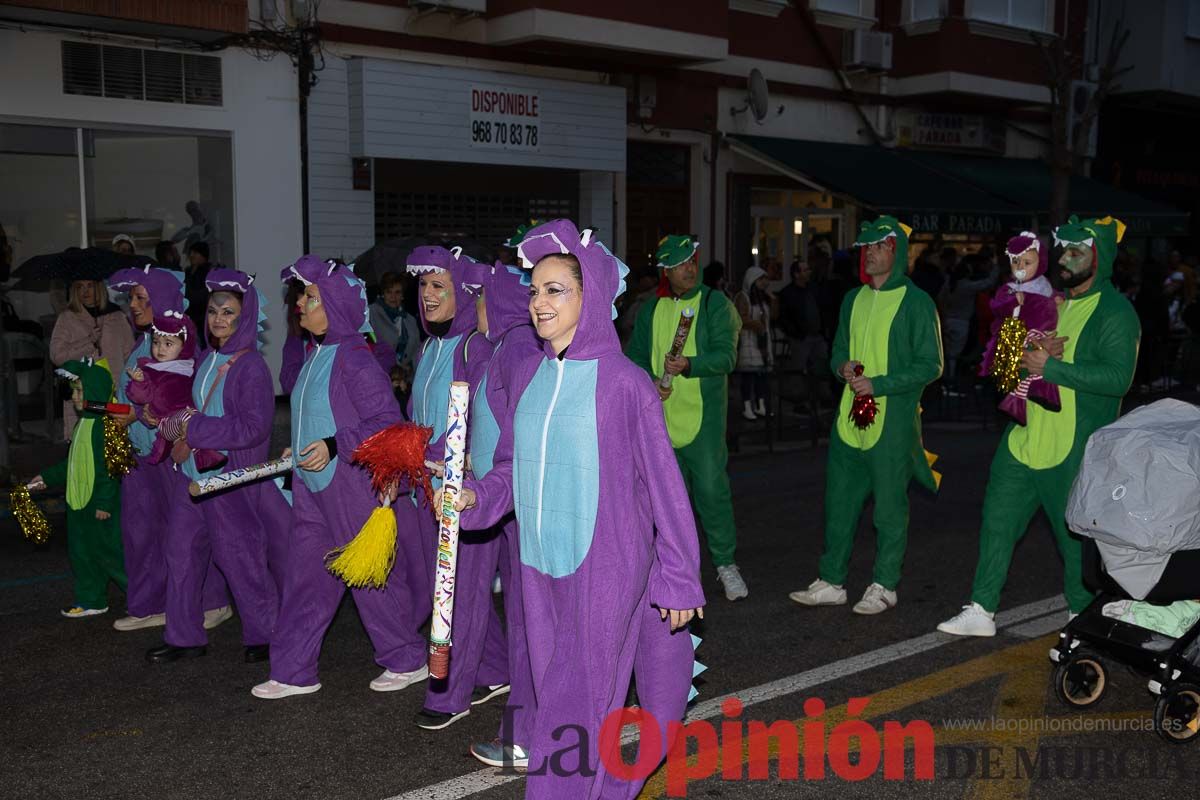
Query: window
x,y
1193,19
851,8
921,10
134,73
1031,15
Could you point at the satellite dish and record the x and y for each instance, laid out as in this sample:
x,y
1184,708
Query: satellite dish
x,y
759,98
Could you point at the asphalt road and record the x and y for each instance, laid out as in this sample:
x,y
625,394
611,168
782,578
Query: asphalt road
x,y
84,716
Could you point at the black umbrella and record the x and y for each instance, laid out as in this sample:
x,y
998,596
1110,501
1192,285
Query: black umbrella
x,y
76,264
387,256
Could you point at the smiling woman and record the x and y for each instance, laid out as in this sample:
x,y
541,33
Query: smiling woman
x,y
556,299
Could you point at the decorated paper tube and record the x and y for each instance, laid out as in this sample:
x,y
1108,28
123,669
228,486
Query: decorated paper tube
x,y
681,333
447,541
237,477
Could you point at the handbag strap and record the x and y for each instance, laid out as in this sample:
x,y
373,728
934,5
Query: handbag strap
x,y
221,370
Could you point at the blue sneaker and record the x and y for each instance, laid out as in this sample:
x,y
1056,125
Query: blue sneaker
x,y
496,754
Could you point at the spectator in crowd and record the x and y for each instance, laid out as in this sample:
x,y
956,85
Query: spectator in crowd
x,y
1150,302
392,325
971,276
194,288
123,243
757,307
843,277
800,318
714,278
927,275
90,327
166,255
645,289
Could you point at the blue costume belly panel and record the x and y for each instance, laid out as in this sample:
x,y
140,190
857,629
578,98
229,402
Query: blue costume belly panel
x,y
431,384
207,376
556,466
312,413
485,432
141,436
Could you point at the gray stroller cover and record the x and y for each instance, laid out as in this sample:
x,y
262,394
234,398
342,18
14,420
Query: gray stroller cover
x,y
1138,492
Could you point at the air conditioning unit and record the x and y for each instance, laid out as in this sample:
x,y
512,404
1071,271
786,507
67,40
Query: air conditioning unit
x,y
867,50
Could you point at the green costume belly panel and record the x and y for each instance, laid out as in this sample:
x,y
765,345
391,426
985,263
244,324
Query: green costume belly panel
x,y
684,409
871,319
1046,439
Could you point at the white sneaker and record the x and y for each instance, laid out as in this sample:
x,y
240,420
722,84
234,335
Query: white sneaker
x,y
497,588
132,623
875,600
214,617
395,681
820,593
274,690
748,412
731,578
973,620
79,612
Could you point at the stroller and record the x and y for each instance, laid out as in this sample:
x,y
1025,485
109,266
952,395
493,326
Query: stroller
x,y
1136,504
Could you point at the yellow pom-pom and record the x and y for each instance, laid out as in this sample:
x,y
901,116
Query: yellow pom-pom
x,y
31,519
367,559
118,449
1010,348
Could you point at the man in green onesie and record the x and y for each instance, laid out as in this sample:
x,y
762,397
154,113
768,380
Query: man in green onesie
x,y
1090,358
695,405
890,329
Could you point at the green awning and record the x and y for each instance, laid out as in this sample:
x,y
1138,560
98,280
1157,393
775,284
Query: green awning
x,y
951,193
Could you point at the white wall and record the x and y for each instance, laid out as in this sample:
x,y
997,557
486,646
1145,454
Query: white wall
x,y
260,113
1162,56
802,118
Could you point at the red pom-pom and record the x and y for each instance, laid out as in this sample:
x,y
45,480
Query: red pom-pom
x,y
864,408
396,452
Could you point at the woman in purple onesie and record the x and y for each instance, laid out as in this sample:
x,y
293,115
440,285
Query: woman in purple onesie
x,y
144,500
341,398
455,351
592,474
243,529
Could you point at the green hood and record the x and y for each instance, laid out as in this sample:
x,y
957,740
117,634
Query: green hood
x,y
877,231
1102,235
97,381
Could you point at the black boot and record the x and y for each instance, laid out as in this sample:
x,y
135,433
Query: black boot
x,y
169,652
257,652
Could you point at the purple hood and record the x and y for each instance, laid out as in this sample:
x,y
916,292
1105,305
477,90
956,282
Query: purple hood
x,y
505,295
176,323
439,259
1024,241
164,286
343,294
603,282
245,336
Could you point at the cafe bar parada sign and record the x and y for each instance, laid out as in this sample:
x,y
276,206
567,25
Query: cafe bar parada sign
x,y
950,131
504,118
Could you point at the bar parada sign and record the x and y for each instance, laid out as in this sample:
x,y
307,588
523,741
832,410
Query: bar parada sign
x,y
956,222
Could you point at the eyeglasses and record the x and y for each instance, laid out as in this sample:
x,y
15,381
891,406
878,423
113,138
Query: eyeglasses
x,y
555,294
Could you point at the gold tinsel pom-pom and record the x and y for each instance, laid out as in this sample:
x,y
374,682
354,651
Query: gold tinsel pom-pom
x,y
1010,348
31,519
118,450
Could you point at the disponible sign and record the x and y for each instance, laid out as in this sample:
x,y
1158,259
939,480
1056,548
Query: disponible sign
x,y
950,131
504,119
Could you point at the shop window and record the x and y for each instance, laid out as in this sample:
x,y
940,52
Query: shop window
x,y
922,10
1034,15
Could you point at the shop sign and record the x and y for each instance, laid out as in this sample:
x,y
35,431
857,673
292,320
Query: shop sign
x,y
955,222
950,131
504,118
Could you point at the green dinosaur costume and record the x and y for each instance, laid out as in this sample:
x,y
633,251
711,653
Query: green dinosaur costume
x,y
1036,464
697,407
894,333
93,545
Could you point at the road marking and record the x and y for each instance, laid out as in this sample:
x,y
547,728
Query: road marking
x,y
489,778
1037,628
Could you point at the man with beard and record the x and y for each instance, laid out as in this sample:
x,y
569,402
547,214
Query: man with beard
x,y
1091,359
888,345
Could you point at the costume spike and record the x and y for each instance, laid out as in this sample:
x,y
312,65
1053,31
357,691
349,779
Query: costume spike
x,y
695,640
697,668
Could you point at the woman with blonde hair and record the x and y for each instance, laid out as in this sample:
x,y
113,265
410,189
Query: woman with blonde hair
x,y
89,327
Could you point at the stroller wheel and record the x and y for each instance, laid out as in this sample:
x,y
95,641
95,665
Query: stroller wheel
x,y
1177,714
1081,680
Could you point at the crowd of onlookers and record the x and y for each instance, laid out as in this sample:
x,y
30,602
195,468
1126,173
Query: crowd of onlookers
x,y
802,303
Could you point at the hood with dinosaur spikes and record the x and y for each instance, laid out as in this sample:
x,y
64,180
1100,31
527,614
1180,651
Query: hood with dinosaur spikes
x,y
96,379
163,286
603,282
1102,235
874,232
433,259
505,295
250,323
343,294
176,323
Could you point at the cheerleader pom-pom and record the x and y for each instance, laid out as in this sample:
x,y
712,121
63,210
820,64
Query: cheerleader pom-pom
x,y
396,452
1010,348
31,519
118,449
366,561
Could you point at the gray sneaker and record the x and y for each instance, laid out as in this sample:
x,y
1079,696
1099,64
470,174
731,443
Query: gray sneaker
x,y
132,623
214,617
731,578
496,754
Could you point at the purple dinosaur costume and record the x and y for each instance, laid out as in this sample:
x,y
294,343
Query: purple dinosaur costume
x,y
244,528
456,352
166,387
592,474
516,356
342,395
144,491
1032,299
